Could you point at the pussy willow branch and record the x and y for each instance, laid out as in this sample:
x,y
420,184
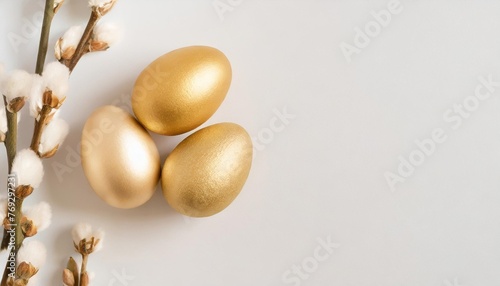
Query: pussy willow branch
x,y
11,136
82,47
11,146
40,62
80,50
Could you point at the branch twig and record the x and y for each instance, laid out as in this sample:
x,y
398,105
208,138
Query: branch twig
x,y
44,36
11,148
82,47
39,127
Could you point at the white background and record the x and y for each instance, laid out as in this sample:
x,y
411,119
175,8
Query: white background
x,y
321,176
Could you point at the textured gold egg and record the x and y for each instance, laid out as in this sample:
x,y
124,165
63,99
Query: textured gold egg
x,y
119,158
207,170
180,90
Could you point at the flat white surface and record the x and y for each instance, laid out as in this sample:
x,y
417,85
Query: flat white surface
x,y
320,176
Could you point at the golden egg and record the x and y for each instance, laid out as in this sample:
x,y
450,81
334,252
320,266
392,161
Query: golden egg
x,y
207,170
119,158
181,90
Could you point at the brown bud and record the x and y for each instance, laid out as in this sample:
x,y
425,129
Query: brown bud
x,y
2,137
50,153
23,191
73,268
85,247
26,270
20,282
50,100
29,229
68,278
84,279
16,104
63,55
68,53
97,46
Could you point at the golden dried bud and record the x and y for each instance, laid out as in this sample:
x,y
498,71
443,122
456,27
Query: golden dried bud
x,y
63,54
97,46
50,153
68,278
16,104
23,191
20,282
85,279
25,271
73,268
50,100
28,227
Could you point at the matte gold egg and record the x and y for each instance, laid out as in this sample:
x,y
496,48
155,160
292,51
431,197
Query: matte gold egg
x,y
119,158
181,90
207,170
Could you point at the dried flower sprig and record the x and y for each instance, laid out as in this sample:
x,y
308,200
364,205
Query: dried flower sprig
x,y
45,92
86,241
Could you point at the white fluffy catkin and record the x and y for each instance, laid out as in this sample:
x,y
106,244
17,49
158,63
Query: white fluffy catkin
x,y
33,252
16,84
28,168
84,231
72,37
40,214
108,33
56,78
53,135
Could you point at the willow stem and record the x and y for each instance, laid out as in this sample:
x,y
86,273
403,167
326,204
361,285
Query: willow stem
x,y
39,127
82,47
10,136
83,270
11,148
44,36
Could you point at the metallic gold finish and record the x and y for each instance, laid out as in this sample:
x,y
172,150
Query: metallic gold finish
x,y
207,170
119,158
181,90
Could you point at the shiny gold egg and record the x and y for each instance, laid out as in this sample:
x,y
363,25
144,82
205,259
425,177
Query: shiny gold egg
x,y
181,90
207,170
119,158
